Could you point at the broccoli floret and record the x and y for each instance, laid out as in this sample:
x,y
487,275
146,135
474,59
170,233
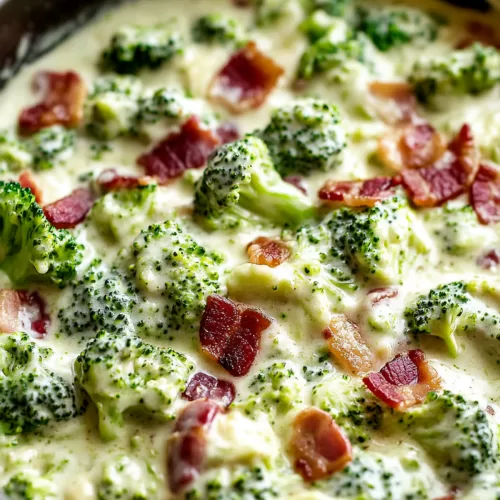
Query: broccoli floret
x,y
163,103
133,48
469,71
217,28
304,137
30,247
374,244
269,12
241,185
31,395
456,433
28,486
395,26
112,107
51,146
351,405
335,8
122,373
14,154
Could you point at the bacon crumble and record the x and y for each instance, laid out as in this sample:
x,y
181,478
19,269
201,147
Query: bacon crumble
x,y
485,194
379,294
71,210
27,181
490,260
20,309
204,386
111,180
265,251
402,95
297,181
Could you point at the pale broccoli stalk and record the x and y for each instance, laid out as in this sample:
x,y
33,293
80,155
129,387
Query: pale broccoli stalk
x,y
29,486
133,48
31,395
218,29
469,71
14,154
456,434
240,185
121,373
51,146
305,137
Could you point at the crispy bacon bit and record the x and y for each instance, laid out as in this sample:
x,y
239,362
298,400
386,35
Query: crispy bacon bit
x,y
230,334
227,132
27,180
485,194
203,386
318,445
402,95
267,252
489,260
62,103
404,381
359,193
490,410
347,346
33,312
479,32
69,211
297,181
379,294
10,309
187,445
111,180
246,80
180,151
463,147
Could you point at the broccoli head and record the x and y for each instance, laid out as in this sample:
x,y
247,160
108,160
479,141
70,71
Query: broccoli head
x,y
122,373
456,433
217,28
336,8
28,486
30,247
51,146
468,71
164,102
304,137
31,395
133,48
240,185
14,154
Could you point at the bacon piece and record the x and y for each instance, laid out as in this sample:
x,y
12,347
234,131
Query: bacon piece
x,y
10,309
62,103
69,211
479,32
187,445
227,132
33,312
180,151
318,445
297,181
111,180
489,260
404,381
402,95
485,194
379,294
265,251
359,193
230,334
203,386
347,346
27,180
246,80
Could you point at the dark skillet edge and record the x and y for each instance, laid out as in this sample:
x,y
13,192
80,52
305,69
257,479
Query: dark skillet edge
x,y
31,28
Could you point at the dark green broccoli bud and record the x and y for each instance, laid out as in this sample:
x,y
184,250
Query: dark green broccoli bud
x,y
335,8
395,26
240,185
30,247
456,434
304,137
163,103
28,486
133,48
469,71
122,373
51,146
317,25
217,28
14,154
31,395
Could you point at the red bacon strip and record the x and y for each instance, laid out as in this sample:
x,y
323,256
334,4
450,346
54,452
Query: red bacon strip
x,y
23,310
203,386
404,381
111,180
490,260
478,32
187,445
230,334
180,151
485,194
297,181
27,180
402,95
62,103
359,193
265,251
227,132
246,80
10,308
69,211
318,445
379,294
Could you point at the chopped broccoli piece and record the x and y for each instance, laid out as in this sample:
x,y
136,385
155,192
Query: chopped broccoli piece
x,y
456,433
162,103
133,48
469,71
335,8
319,24
30,247
304,137
27,486
51,146
14,154
241,185
122,373
217,28
31,394
269,12
394,26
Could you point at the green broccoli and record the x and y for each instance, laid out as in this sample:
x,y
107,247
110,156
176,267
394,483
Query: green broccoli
x,y
27,486
241,185
14,154
351,405
394,26
163,103
122,373
30,247
319,24
217,28
335,8
51,146
456,433
469,71
133,48
269,12
31,394
304,137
